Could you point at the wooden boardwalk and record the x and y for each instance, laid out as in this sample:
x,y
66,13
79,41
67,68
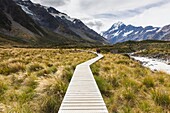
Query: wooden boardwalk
x,y
83,95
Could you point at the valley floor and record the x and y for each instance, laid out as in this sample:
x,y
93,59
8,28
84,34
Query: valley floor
x,y
35,81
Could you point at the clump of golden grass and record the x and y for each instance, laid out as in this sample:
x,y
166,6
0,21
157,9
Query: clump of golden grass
x,y
129,87
35,80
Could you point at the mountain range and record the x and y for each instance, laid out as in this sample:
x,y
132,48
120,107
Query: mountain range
x,y
119,32
23,22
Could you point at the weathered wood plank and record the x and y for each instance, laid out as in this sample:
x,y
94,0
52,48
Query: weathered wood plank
x,y
83,95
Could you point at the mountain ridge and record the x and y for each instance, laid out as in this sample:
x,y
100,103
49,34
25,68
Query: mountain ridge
x,y
119,32
59,22
23,23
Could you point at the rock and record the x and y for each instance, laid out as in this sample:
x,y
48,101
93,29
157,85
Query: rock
x,y
126,55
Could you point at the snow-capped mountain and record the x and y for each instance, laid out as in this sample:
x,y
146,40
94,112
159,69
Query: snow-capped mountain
x,y
119,32
163,33
58,22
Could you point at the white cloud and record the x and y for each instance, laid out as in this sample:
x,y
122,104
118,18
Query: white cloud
x,y
145,12
158,16
94,24
130,12
52,2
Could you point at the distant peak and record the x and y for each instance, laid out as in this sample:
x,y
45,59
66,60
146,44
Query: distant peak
x,y
116,26
118,23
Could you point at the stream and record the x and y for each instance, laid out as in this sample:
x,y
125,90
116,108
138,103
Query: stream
x,y
153,64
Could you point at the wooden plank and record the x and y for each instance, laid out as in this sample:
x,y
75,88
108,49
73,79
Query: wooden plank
x,y
83,95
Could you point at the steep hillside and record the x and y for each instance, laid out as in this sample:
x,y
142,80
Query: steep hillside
x,y
16,23
12,12
20,27
58,22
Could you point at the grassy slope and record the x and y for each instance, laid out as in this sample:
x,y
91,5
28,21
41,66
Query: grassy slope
x,y
127,87
35,80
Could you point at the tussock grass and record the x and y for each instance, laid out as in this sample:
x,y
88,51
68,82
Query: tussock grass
x,y
3,88
34,67
52,102
103,85
8,68
128,87
35,80
148,81
161,97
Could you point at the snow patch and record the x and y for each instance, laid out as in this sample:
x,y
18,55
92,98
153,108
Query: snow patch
x,y
160,29
74,21
117,33
151,30
63,15
25,9
136,32
112,30
116,26
46,8
127,33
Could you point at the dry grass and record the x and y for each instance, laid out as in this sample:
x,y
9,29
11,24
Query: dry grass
x,y
35,80
127,87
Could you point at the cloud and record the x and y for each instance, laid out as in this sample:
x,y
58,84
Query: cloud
x,y
106,15
131,12
52,2
94,24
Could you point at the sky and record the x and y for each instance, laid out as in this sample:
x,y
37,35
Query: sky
x,y
100,15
